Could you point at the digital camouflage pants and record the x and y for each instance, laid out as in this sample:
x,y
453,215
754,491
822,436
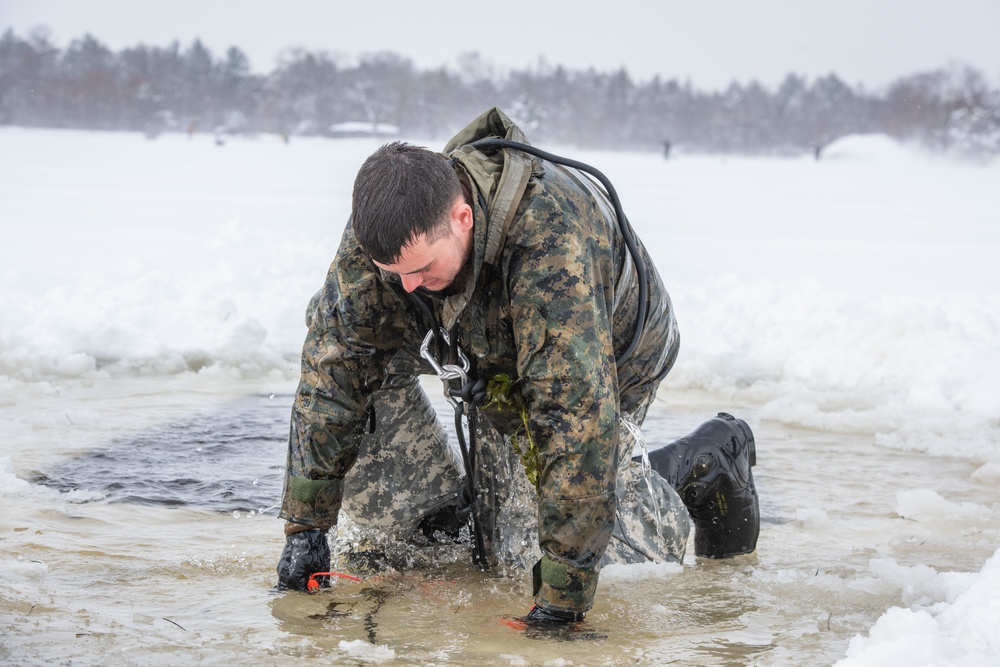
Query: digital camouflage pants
x,y
409,468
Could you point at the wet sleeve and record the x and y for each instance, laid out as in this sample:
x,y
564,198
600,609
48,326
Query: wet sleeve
x,y
566,366
341,361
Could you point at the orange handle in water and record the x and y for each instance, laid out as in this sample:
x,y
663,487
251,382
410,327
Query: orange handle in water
x,y
312,584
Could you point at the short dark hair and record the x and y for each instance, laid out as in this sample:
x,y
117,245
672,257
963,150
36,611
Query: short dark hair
x,y
401,192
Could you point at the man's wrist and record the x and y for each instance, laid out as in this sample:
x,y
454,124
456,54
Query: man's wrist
x,y
559,586
292,527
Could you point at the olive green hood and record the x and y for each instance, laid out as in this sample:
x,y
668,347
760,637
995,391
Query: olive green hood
x,y
501,177
498,179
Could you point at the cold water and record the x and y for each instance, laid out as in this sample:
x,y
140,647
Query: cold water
x,y
158,546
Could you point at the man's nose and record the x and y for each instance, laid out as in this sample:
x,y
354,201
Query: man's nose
x,y
411,281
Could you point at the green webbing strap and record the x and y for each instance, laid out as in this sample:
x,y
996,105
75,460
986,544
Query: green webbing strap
x,y
513,183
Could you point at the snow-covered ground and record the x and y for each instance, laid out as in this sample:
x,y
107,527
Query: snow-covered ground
x,y
857,296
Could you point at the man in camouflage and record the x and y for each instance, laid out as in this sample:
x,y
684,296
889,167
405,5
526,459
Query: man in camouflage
x,y
523,263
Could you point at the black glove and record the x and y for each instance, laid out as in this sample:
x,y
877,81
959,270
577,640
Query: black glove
x,y
554,624
306,552
542,618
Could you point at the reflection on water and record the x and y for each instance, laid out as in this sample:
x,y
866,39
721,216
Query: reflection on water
x,y
163,571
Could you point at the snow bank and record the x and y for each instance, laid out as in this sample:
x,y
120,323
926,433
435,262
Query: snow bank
x,y
965,632
855,293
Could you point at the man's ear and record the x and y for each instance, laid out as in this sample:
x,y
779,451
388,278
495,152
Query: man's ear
x,y
461,215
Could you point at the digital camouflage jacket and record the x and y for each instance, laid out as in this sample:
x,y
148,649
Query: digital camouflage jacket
x,y
552,298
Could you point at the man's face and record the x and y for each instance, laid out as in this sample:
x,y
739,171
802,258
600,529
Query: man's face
x,y
435,265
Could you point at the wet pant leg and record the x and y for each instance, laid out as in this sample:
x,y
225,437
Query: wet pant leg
x,y
405,470
652,523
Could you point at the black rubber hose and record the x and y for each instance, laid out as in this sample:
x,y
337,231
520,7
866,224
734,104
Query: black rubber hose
x,y
479,557
623,225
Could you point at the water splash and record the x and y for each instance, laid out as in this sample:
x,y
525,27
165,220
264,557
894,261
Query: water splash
x,y
367,550
651,523
631,428
517,521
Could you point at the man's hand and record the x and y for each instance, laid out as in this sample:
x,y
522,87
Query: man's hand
x,y
546,619
554,624
306,552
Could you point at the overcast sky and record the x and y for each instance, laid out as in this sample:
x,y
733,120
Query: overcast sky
x,y
710,42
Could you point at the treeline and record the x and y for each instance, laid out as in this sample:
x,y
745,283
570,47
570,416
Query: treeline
x,y
154,89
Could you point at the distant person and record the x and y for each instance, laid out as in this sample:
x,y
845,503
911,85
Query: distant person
x,y
519,265
666,149
817,150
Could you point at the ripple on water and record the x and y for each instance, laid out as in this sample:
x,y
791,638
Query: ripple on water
x,y
231,461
